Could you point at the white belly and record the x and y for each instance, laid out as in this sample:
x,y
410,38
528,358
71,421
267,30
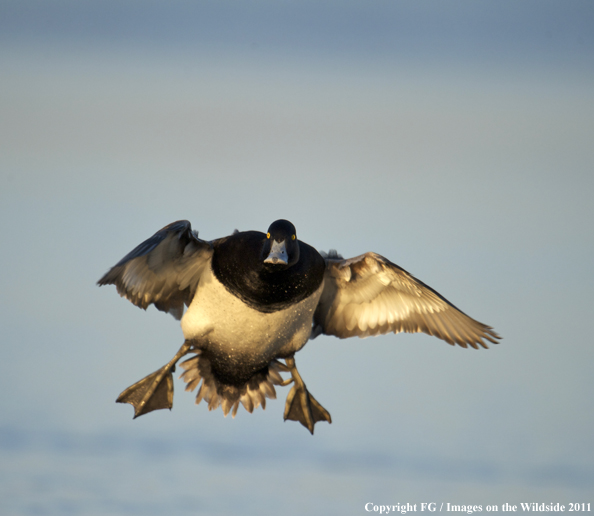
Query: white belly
x,y
218,320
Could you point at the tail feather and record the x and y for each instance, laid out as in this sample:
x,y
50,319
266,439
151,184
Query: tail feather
x,y
198,370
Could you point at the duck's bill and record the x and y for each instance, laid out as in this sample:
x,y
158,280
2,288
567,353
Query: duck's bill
x,y
278,254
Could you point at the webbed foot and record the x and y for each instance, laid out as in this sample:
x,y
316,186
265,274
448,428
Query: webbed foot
x,y
154,391
301,405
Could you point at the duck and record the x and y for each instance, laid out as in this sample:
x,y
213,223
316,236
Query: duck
x,y
248,302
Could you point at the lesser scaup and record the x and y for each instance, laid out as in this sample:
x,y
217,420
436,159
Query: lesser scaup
x,y
254,298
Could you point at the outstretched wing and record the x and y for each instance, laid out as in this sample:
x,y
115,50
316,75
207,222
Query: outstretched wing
x,y
369,295
164,270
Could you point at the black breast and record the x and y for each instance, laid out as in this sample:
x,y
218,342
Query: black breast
x,y
238,264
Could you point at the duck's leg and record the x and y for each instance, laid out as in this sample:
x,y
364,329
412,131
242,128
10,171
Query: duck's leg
x,y
154,391
301,405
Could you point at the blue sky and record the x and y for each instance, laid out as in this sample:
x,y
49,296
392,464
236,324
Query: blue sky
x,y
453,138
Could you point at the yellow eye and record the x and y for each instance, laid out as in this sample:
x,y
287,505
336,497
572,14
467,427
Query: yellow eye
x,y
293,237
267,235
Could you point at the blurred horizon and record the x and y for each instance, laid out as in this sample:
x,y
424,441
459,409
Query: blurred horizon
x,y
532,31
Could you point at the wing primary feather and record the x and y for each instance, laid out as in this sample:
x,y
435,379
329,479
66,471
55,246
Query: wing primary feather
x,y
164,270
368,294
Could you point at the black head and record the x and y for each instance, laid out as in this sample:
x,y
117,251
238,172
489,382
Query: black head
x,y
281,248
